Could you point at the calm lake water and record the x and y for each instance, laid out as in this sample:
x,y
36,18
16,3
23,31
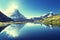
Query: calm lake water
x,y
30,31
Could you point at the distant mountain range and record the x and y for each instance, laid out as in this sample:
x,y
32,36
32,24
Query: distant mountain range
x,y
18,17
43,16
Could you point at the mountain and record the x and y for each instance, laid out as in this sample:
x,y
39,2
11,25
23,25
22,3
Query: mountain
x,y
52,20
4,18
17,16
43,16
51,14
48,15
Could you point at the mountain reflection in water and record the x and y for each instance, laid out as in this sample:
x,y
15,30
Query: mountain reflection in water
x,y
29,31
13,30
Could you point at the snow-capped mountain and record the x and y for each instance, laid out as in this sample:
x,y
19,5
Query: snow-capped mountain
x,y
48,15
17,16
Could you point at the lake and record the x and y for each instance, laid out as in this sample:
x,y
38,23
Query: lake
x,y
30,31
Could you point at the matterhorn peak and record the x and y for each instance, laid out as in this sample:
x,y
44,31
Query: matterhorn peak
x,y
17,16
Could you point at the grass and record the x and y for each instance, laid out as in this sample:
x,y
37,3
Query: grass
x,y
53,20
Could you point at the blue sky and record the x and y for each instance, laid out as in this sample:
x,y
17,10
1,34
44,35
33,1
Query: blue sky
x,y
33,7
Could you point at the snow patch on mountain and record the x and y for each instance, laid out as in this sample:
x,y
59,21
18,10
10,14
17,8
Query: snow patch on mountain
x,y
17,16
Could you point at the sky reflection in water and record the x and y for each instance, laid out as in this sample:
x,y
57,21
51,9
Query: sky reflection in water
x,y
13,30
28,30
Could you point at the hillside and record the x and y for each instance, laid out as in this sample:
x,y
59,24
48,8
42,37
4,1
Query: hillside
x,y
4,18
53,20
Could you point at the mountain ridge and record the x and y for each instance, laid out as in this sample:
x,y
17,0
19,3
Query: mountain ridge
x,y
4,18
17,16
